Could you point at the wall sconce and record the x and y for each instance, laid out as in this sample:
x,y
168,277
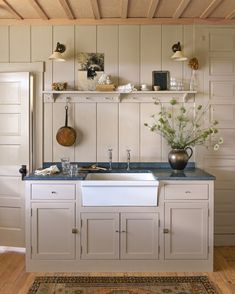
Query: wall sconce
x,y
56,55
178,55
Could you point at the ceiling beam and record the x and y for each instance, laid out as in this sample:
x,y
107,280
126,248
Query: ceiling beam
x,y
210,8
124,8
230,15
12,10
181,8
38,9
152,8
67,9
95,9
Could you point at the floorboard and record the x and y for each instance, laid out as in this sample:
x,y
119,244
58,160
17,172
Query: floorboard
x,y
14,279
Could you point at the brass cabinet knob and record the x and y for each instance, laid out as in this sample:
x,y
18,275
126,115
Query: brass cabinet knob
x,y
74,231
166,231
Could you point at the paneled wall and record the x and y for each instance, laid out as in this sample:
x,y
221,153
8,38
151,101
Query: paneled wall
x,y
132,52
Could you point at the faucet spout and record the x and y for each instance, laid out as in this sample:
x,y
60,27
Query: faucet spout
x,y
128,158
110,158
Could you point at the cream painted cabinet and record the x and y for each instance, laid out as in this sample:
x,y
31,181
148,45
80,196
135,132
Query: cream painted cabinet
x,y
186,220
119,235
51,220
186,230
53,232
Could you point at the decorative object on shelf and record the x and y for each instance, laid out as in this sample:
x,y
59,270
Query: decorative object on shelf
x,y
183,127
161,78
128,88
91,67
57,54
66,136
59,86
105,83
178,54
194,65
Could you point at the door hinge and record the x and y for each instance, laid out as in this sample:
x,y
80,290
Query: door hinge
x,y
158,249
81,250
81,222
31,212
159,223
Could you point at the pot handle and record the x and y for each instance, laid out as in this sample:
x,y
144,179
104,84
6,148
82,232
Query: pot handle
x,y
191,151
66,116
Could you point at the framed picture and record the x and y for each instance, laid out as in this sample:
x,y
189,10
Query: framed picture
x,y
91,67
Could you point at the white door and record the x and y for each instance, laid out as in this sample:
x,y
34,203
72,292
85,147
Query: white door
x,y
14,152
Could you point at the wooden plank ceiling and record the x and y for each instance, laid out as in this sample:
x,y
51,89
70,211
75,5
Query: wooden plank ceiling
x,y
118,11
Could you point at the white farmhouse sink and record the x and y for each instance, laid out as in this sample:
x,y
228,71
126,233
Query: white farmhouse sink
x,y
120,189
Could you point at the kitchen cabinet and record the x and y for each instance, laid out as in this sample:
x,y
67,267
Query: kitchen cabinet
x,y
52,218
119,235
63,235
186,216
53,233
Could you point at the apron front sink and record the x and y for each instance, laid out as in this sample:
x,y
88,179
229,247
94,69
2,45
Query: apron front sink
x,y
120,189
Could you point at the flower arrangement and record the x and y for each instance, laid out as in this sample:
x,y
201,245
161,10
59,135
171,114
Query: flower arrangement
x,y
183,126
194,65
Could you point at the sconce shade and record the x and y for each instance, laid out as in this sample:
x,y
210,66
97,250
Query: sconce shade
x,y
56,55
178,55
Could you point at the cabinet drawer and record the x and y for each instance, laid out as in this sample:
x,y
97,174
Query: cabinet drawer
x,y
186,192
54,191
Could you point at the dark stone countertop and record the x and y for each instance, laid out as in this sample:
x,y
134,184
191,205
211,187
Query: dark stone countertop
x,y
161,171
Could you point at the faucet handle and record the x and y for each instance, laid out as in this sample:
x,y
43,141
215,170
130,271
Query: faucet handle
x,y
128,153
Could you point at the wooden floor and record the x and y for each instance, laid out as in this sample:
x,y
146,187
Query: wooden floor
x,y
14,279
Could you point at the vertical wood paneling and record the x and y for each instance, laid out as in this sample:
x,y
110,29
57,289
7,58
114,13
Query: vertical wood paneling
x,y
58,122
129,121
107,130
150,52
171,34
150,143
48,132
20,43
189,51
85,125
42,35
129,54
85,41
107,43
4,44
64,71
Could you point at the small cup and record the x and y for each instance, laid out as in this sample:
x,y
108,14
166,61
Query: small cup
x,y
73,172
156,88
65,163
144,87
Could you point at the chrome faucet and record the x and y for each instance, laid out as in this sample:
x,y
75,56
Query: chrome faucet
x,y
110,158
128,158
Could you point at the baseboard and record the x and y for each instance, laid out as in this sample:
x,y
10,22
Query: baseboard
x,y
224,239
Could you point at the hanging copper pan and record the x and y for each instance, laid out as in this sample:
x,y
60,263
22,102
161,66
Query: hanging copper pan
x,y
66,136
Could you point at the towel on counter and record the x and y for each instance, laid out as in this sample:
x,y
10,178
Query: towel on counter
x,y
53,169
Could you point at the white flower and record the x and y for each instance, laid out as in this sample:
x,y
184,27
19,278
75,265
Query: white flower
x,y
221,140
216,147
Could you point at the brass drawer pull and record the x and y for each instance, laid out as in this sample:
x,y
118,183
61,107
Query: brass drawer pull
x,y
74,231
166,231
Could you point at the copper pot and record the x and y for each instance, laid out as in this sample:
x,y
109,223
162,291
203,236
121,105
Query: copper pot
x,y
178,158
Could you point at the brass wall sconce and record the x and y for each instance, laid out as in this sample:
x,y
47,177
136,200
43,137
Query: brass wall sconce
x,y
178,54
57,54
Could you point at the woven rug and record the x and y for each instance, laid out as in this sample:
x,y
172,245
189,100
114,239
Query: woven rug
x,y
122,285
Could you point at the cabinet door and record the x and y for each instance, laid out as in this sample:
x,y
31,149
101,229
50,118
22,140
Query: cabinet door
x,y
52,236
139,235
100,236
186,230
